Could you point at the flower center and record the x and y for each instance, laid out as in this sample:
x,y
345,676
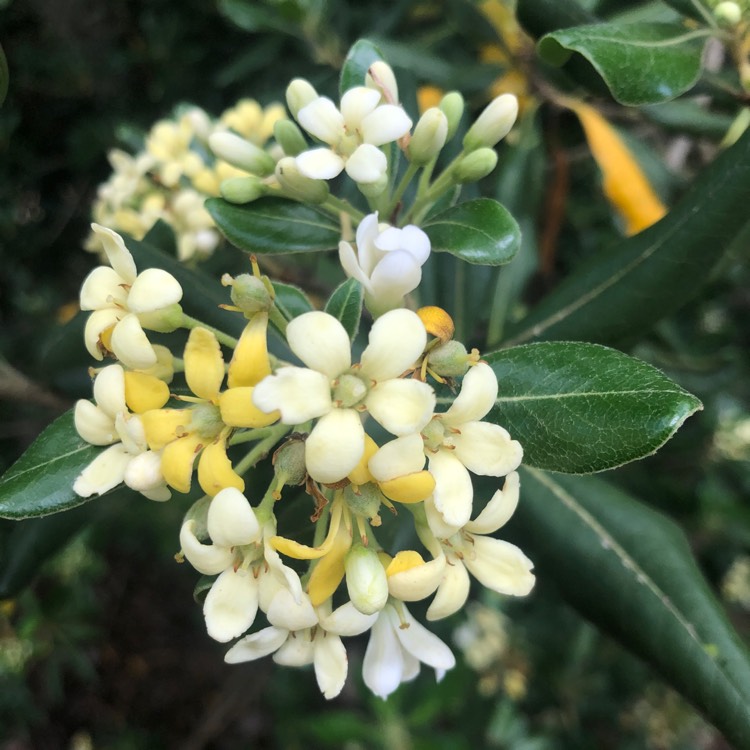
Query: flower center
x,y
205,419
433,435
349,390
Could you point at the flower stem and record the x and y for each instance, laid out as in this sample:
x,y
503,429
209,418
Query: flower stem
x,y
338,206
411,170
260,451
277,318
221,337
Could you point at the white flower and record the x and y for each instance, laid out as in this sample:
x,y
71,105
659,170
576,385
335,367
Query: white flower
x,y
243,584
353,134
117,296
318,644
457,443
330,389
397,645
109,422
388,262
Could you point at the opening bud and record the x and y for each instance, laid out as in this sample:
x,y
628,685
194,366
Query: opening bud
x,y
242,189
299,93
429,136
366,580
297,186
241,153
493,124
289,463
289,137
381,78
475,165
452,105
249,293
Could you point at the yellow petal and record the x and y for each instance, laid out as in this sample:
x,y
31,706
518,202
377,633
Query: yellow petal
x,y
361,474
204,365
162,426
215,471
437,322
625,184
404,560
428,96
329,571
238,410
410,488
250,363
177,461
290,548
144,392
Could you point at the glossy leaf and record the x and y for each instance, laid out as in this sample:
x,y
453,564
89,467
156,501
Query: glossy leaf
x,y
291,300
641,63
629,570
580,408
274,226
479,231
345,304
362,54
41,481
620,295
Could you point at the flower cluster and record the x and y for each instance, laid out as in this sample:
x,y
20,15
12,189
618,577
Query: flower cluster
x,y
403,426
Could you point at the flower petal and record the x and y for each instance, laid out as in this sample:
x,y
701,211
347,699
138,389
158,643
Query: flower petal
x,y
131,345
208,559
106,471
452,592
285,612
322,119
231,605
177,461
399,457
454,493
350,264
420,642
215,471
103,287
401,406
331,664
93,425
231,521
144,392
486,449
319,164
118,255
98,322
356,104
367,164
204,364
256,645
367,252
418,582
321,342
383,665
238,410
477,396
162,426
297,650
250,363
500,566
499,509
297,393
396,341
347,620
385,124
393,278
410,239
143,474
334,446
153,289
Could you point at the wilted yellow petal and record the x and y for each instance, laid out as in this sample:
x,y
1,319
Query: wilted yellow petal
x,y
361,474
238,410
144,392
625,184
428,97
437,322
290,548
177,461
329,571
250,363
404,560
162,426
215,471
410,488
204,365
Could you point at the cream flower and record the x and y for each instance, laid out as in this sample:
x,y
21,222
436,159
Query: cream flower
x,y
397,645
118,296
318,644
387,262
458,442
353,134
109,422
333,391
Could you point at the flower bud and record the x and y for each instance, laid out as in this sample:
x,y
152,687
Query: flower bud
x,y
289,463
164,320
289,137
449,360
299,93
242,189
728,13
366,580
297,186
365,502
241,153
493,124
381,78
249,293
429,136
475,165
452,104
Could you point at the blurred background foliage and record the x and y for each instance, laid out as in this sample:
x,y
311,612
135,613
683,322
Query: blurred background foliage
x,y
105,647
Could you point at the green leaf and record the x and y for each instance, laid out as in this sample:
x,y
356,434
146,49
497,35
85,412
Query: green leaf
x,y
361,55
620,295
274,226
629,570
345,304
291,300
479,231
254,17
692,8
41,481
581,408
4,76
641,63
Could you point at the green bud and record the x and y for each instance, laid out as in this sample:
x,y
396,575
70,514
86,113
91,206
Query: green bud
x,y
365,502
243,189
493,124
728,13
366,580
452,105
241,153
249,293
373,189
429,136
299,93
289,137
475,165
297,186
449,360
164,320
289,463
